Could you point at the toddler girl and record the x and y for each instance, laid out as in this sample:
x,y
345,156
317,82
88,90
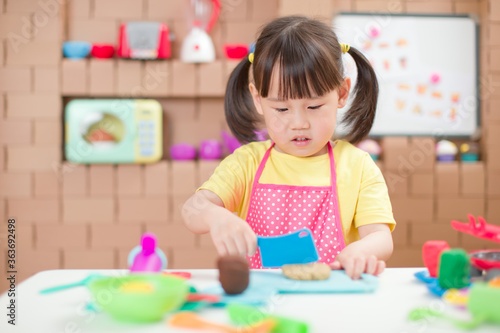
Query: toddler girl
x,y
294,84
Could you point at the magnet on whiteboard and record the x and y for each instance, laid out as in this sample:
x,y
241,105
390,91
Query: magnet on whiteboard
x,y
435,78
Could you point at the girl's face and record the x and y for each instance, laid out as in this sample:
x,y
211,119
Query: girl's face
x,y
300,127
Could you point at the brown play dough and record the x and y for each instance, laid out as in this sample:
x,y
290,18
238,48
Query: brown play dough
x,y
312,271
234,274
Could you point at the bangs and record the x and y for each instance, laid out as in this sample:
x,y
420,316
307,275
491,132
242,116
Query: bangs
x,y
304,71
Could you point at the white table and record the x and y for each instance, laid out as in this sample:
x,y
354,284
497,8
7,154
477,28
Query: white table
x,y
385,310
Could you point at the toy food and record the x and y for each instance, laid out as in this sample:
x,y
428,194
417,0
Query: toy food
x,y
469,152
234,274
482,304
446,151
454,269
311,271
430,253
141,297
248,315
188,319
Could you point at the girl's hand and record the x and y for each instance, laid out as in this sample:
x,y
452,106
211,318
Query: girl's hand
x,y
355,264
233,236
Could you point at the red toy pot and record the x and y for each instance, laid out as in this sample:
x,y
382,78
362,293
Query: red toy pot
x,y
236,51
103,51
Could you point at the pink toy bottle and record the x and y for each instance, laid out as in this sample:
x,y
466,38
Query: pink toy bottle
x,y
146,257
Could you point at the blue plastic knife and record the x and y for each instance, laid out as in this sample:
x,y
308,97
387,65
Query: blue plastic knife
x,y
295,248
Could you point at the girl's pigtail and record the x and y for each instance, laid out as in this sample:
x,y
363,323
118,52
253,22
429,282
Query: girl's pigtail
x,y
241,115
359,118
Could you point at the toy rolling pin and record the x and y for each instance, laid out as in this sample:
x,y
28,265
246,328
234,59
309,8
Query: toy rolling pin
x,y
147,257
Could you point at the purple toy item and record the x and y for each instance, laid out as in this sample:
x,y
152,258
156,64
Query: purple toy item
x,y
210,150
230,142
147,260
183,152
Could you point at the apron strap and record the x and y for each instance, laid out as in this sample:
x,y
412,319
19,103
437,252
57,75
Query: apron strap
x,y
263,164
333,177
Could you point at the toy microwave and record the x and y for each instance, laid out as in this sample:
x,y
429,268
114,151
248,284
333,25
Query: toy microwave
x,y
144,40
113,131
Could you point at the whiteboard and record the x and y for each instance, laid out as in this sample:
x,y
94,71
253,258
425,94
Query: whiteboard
x,y
427,68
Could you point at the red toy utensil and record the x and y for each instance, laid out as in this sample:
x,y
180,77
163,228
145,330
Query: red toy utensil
x,y
479,229
430,254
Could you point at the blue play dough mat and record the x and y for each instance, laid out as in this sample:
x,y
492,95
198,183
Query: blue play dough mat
x,y
338,282
266,283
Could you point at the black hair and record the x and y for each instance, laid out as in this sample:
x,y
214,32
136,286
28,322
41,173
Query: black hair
x,y
310,64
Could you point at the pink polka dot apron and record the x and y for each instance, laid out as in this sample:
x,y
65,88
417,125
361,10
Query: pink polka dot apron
x,y
281,209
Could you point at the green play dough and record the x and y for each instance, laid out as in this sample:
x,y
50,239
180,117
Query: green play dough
x,y
454,269
248,315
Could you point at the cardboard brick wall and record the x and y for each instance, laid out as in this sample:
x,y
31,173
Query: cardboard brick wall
x,y
77,216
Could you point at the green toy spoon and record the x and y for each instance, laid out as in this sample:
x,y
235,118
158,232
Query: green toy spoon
x,y
83,282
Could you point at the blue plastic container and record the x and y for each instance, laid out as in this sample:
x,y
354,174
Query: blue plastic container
x,y
76,49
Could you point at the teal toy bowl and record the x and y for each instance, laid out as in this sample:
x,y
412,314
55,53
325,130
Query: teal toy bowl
x,y
76,49
139,297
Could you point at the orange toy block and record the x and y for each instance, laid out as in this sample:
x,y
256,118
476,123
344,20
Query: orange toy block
x,y
211,81
447,179
15,185
74,77
15,79
88,210
172,235
472,179
47,80
183,177
422,184
130,180
156,179
101,236
449,208
31,158
34,53
15,132
34,106
102,77
94,31
102,180
74,180
93,259
129,78
395,152
141,210
56,237
79,9
47,184
124,9
184,78
39,211
48,132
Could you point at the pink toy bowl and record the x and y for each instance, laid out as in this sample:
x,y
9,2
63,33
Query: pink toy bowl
x,y
236,51
210,150
183,152
103,51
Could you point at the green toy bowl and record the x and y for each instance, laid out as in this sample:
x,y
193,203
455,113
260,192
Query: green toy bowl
x,y
139,297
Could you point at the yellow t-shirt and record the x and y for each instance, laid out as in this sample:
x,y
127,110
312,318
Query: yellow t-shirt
x,y
361,189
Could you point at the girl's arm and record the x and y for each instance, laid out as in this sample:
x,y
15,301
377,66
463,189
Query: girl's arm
x,y
204,212
368,254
